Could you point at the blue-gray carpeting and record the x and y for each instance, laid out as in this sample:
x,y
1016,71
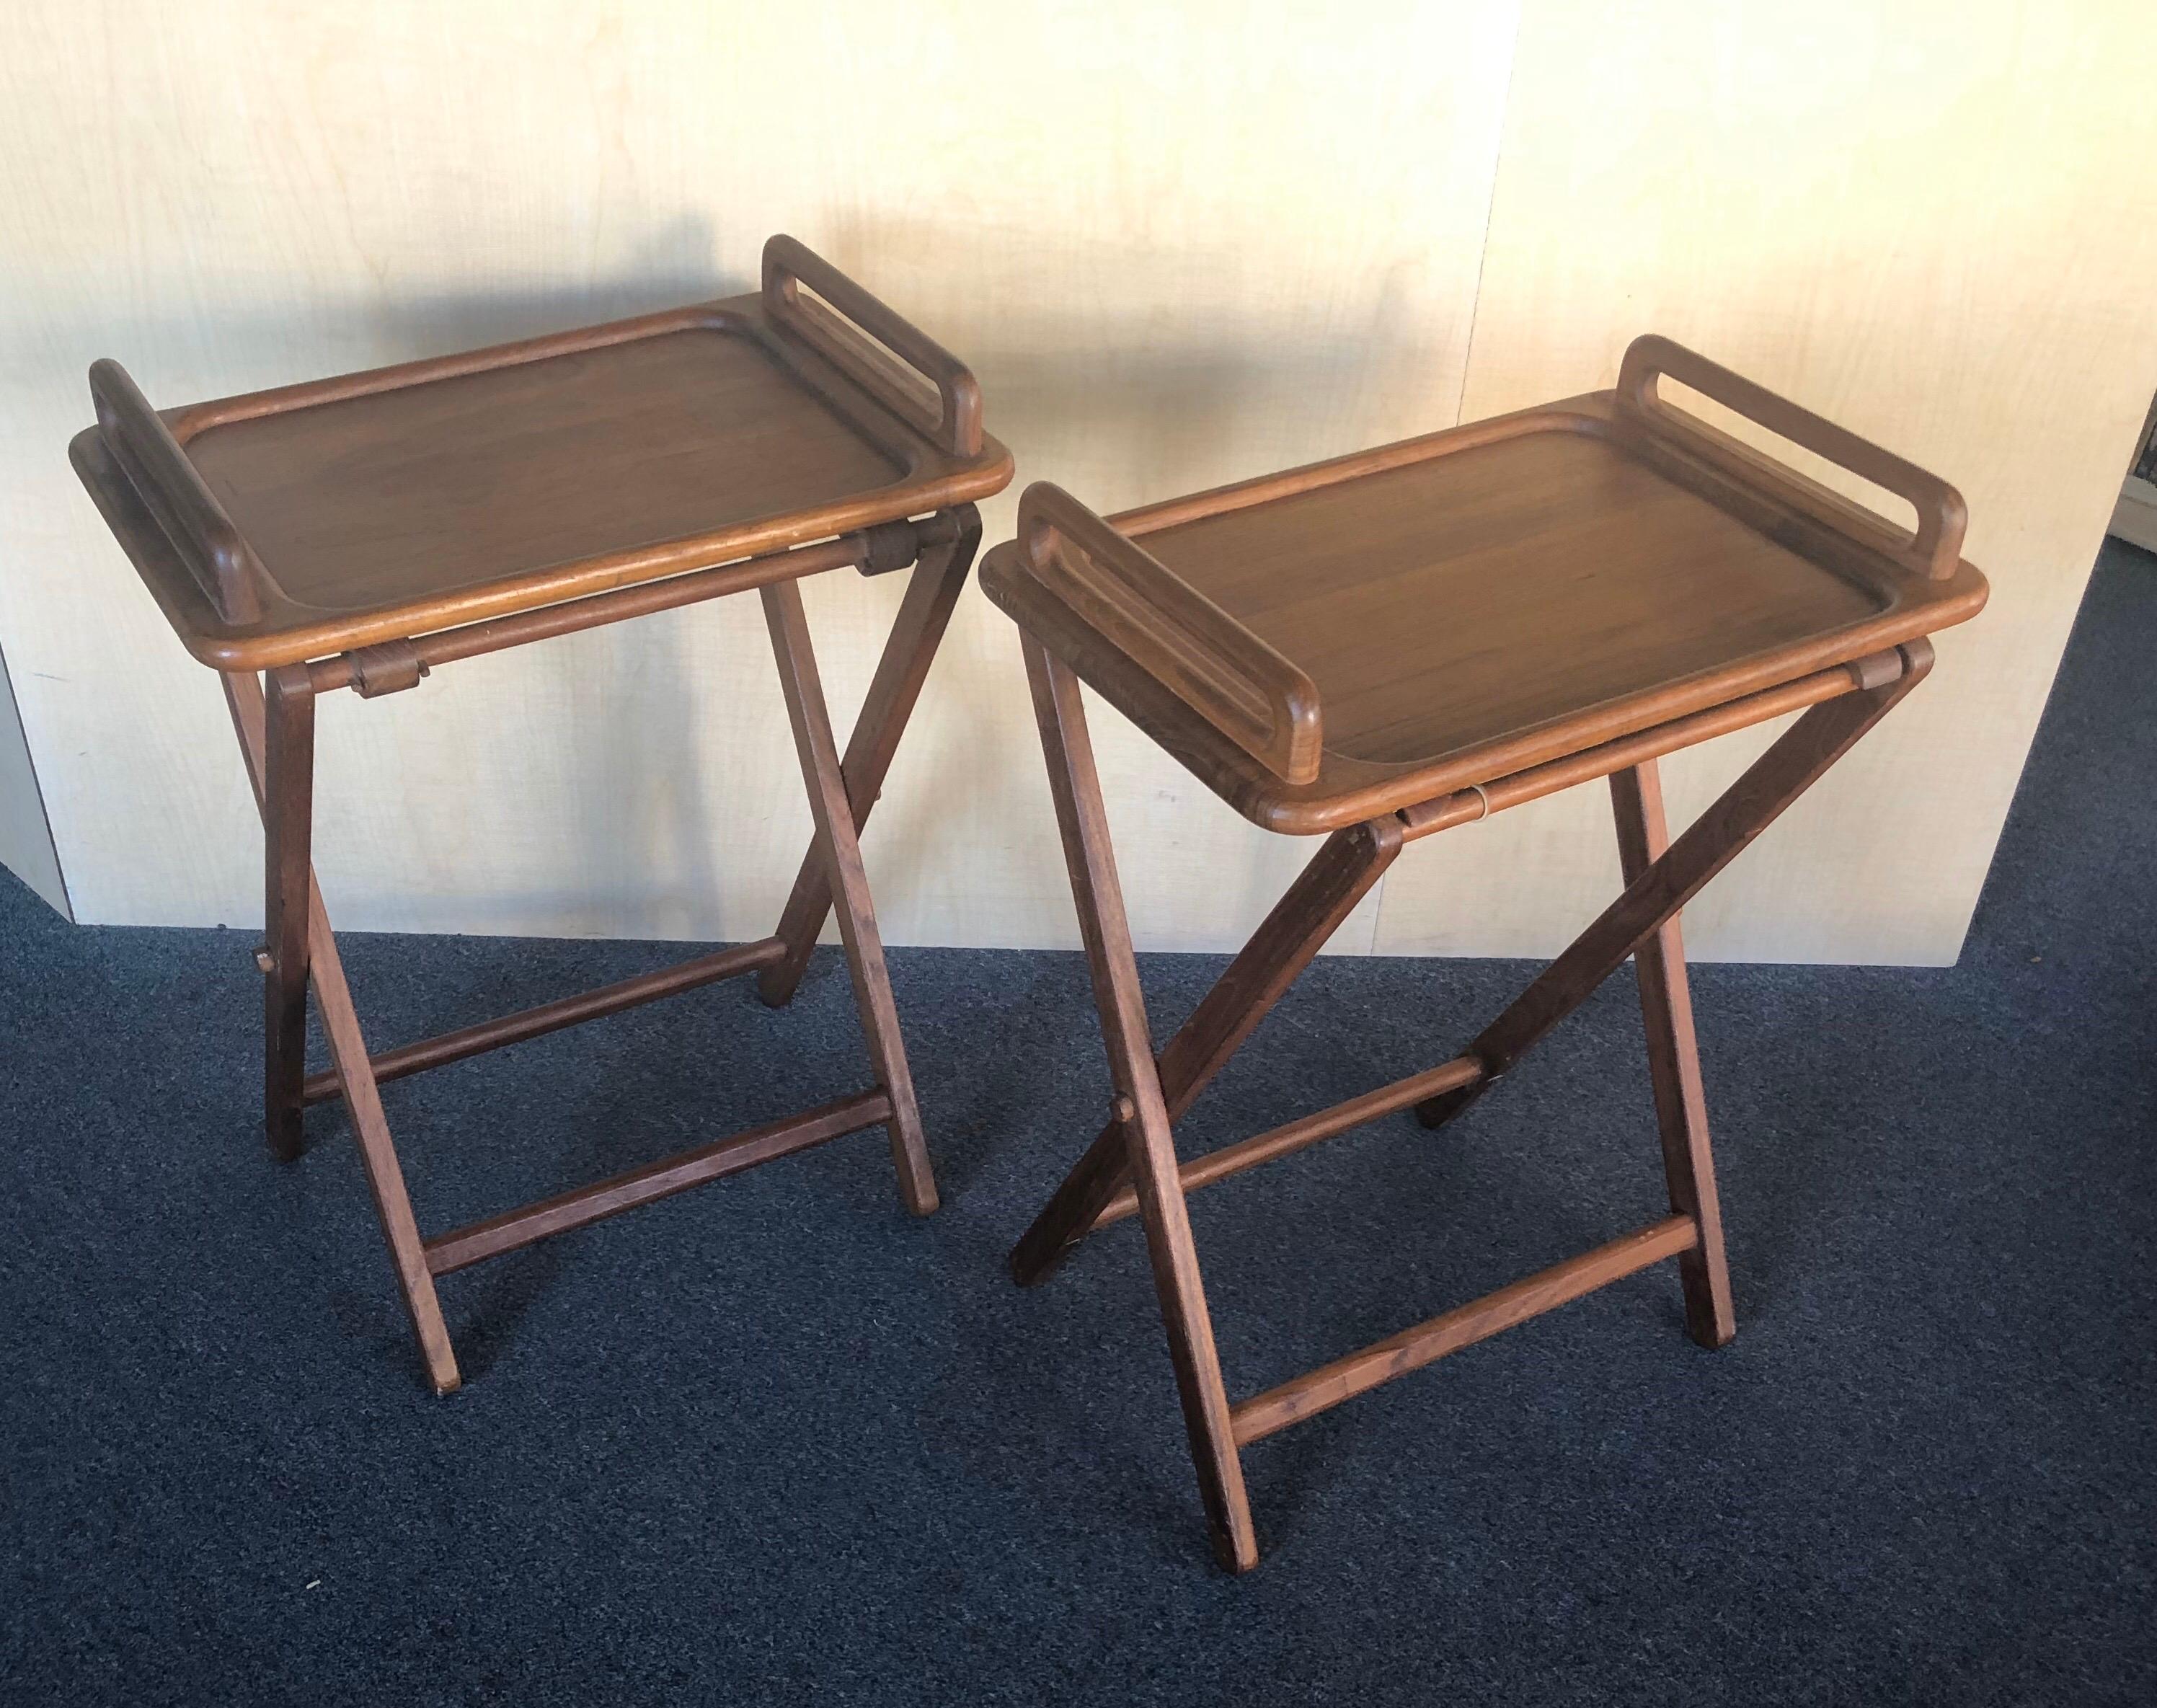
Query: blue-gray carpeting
x,y
774,1441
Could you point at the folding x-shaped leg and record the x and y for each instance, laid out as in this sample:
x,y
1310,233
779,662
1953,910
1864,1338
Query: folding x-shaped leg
x,y
275,725
1131,1167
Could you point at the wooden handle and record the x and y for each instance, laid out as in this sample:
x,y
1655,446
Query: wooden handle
x,y
1933,550
1175,635
955,425
173,491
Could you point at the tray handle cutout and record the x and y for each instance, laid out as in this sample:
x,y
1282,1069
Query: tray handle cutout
x,y
954,424
172,490
1932,551
1207,660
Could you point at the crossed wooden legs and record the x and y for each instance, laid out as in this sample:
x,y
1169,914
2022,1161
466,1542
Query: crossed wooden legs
x,y
923,617
275,729
845,877
1137,1146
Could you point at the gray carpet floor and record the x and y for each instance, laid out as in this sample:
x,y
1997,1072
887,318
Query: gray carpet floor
x,y
775,1441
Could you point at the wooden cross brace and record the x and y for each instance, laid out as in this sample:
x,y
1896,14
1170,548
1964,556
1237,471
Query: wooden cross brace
x,y
276,731
1131,1167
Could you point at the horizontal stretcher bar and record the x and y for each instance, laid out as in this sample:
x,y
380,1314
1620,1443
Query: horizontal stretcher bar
x,y
1319,1390
1295,1136
552,1016
505,1232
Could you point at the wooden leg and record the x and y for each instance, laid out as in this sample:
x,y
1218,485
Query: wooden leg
x,y
385,1178
1141,1112
848,881
1338,876
1636,799
923,616
287,825
1800,757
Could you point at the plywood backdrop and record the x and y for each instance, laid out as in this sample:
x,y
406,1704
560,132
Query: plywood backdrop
x,y
1933,223
1179,245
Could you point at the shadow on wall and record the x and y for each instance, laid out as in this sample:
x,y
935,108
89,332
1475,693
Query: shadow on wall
x,y
235,342
1136,368
1127,370
231,347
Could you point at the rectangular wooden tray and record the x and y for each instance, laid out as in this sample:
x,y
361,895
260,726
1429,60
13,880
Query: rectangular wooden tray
x,y
314,518
1370,633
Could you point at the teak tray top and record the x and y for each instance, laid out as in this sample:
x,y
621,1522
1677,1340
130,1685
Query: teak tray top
x,y
1369,633
320,518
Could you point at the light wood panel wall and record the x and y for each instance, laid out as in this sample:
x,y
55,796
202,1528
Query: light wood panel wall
x,y
1933,223
1179,244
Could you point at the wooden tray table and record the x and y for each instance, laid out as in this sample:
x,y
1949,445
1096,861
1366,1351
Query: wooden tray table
x,y
1382,646
358,531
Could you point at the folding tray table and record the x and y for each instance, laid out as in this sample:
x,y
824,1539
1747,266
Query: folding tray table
x,y
357,532
1385,645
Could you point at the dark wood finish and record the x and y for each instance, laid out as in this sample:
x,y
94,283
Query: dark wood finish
x,y
683,433
1339,875
1933,550
1480,618
368,669
1798,758
1467,804
1300,1134
362,532
475,639
1636,799
1470,604
1134,608
848,880
518,1227
924,615
955,425
407,1059
1320,1390
370,1126
223,566
1141,1112
437,494
287,825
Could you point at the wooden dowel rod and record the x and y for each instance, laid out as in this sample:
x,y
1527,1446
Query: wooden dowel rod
x,y
1295,1136
1465,805
552,1016
507,1232
1319,1390
446,646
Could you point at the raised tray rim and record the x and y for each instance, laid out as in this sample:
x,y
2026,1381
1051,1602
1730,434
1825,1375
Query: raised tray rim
x,y
295,631
1350,790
